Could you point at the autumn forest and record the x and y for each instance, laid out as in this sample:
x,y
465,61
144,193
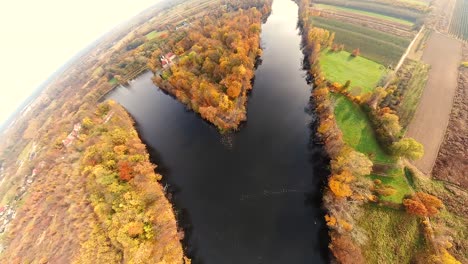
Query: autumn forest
x,y
113,162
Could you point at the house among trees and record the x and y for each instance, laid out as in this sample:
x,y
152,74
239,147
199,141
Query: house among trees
x,y
167,60
72,136
182,25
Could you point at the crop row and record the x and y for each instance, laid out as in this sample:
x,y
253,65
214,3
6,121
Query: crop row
x,y
380,47
459,23
378,8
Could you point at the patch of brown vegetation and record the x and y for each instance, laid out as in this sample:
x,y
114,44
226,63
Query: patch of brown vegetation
x,y
54,218
452,164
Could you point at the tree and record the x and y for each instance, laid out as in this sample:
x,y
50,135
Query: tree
x,y
423,204
391,124
346,85
408,148
154,62
339,184
415,207
125,171
334,48
356,52
331,39
355,162
87,123
375,97
443,257
234,89
345,250
386,190
432,203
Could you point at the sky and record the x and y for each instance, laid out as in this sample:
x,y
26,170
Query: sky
x,y
37,37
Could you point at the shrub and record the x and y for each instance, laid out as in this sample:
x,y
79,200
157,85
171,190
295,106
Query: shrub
x,y
344,249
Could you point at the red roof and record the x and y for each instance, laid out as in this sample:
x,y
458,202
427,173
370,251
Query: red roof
x,y
169,55
67,141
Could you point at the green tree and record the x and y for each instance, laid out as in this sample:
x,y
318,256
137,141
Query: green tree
x,y
391,124
408,148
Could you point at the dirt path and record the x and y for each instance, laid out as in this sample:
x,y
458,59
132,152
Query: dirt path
x,y
432,115
452,163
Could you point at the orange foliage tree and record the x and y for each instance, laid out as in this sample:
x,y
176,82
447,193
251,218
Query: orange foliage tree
x,y
423,204
125,171
339,184
356,52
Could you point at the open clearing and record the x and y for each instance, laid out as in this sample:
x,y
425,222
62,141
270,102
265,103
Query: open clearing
x,y
154,34
393,235
362,12
357,130
396,179
433,112
341,67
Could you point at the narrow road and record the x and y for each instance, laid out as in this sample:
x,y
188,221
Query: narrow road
x,y
433,112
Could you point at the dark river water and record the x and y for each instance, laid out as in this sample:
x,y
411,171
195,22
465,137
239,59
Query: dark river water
x,y
251,196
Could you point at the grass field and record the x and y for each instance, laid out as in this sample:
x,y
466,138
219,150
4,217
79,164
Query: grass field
x,y
154,34
365,13
357,130
393,236
375,45
341,66
113,81
396,179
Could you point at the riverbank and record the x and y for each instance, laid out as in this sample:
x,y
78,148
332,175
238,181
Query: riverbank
x,y
371,194
274,196
108,207
143,225
55,219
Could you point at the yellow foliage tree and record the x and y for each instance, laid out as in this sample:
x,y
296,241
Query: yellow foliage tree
x,y
339,184
331,220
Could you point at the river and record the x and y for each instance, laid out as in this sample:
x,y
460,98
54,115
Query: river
x,y
252,196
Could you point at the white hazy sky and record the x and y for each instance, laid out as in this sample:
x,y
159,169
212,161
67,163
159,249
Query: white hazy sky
x,y
37,37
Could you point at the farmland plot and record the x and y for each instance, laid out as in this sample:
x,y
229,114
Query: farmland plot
x,y
459,23
375,45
